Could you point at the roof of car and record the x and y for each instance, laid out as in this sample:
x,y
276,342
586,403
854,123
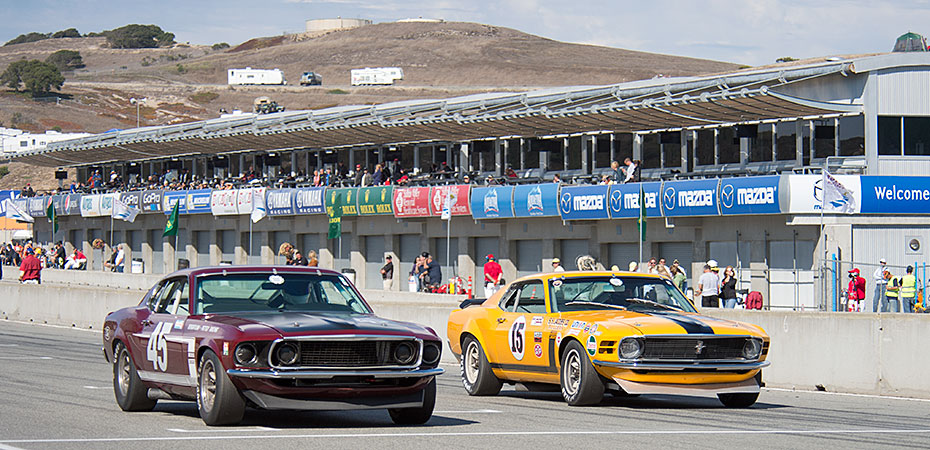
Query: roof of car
x,y
578,273
208,270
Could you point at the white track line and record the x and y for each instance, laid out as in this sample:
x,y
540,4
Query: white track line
x,y
465,433
26,357
476,411
7,447
231,430
65,327
848,394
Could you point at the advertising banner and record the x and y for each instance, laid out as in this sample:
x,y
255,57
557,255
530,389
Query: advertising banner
x,y
35,206
90,205
805,193
198,201
106,203
223,202
309,201
624,200
348,198
492,202
690,198
172,197
152,201
71,205
58,201
375,200
7,194
583,202
460,203
895,195
410,202
133,199
536,200
280,202
244,198
750,195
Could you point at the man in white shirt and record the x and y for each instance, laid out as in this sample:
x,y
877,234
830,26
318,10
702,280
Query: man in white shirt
x,y
879,303
629,170
119,264
557,265
709,287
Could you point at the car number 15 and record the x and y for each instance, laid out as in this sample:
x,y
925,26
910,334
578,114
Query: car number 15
x,y
516,338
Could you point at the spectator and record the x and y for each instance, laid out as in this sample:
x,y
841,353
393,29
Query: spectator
x,y
661,271
377,179
492,276
60,255
415,272
312,259
557,179
634,266
77,261
728,288
908,291
31,269
387,273
891,292
662,263
557,265
434,272
680,268
614,173
385,174
316,177
709,287
856,292
651,266
878,298
509,173
357,180
366,178
632,171
299,259
678,277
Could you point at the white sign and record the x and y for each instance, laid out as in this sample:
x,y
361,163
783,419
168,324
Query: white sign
x,y
806,193
224,203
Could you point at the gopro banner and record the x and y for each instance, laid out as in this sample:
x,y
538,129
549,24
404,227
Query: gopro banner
x,y
624,200
198,201
895,195
133,199
750,195
690,198
309,201
583,202
536,200
280,202
492,202
152,201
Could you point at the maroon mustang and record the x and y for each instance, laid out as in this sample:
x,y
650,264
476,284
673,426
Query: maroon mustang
x,y
268,337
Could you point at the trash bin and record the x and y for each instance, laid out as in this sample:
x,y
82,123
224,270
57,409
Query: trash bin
x,y
183,263
225,263
136,266
350,274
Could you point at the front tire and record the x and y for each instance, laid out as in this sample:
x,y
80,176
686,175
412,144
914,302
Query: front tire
x,y
477,376
738,400
418,415
581,384
131,394
218,400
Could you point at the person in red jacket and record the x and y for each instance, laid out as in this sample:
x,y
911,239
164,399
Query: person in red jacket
x,y
856,290
31,268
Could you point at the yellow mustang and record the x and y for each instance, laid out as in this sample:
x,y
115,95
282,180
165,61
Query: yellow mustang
x,y
592,332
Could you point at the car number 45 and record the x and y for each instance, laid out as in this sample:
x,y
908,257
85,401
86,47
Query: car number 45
x,y
157,350
516,338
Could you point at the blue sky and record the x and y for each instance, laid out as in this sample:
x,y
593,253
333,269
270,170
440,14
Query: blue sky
x,y
750,32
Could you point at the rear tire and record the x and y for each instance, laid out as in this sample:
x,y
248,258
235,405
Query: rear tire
x,y
131,394
738,400
477,376
581,384
218,400
418,415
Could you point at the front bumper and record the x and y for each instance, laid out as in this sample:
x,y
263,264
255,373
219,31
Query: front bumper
x,y
750,386
690,366
326,374
268,401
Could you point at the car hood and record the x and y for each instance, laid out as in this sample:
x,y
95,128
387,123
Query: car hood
x,y
664,322
297,323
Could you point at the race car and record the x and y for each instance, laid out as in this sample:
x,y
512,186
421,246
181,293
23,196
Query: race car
x,y
590,332
290,337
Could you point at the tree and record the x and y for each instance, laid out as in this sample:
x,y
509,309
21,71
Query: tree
x,y
220,46
38,77
66,60
69,33
29,37
138,36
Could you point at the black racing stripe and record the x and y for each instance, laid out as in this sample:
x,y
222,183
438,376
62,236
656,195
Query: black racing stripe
x,y
524,368
690,324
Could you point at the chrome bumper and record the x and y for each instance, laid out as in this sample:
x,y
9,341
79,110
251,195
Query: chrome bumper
x,y
325,374
750,386
709,366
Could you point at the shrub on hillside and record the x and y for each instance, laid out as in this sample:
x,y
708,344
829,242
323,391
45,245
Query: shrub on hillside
x,y
220,46
69,33
28,37
139,36
38,77
66,60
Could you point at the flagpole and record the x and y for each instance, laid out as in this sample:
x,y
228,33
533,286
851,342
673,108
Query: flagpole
x,y
823,259
111,229
250,241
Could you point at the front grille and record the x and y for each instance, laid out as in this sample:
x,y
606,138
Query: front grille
x,y
365,353
687,348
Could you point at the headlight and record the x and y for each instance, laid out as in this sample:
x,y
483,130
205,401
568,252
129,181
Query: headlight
x,y
287,354
631,348
431,353
404,353
752,349
245,354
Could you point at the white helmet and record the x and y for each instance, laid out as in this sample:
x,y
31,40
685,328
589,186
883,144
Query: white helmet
x,y
712,263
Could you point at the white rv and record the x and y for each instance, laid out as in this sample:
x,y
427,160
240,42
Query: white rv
x,y
255,76
377,75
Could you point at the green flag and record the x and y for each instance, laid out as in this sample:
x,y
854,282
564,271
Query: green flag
x,y
642,214
171,228
335,216
52,218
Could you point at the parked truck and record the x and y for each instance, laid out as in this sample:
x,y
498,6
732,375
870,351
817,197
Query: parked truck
x,y
255,76
376,76
311,79
265,105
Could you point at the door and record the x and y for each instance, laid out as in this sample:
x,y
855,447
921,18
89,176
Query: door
x,y
520,347
160,349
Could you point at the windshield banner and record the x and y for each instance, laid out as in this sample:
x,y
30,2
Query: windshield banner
x,y
624,200
347,200
750,195
536,200
690,198
152,201
375,200
459,194
492,202
309,201
583,202
223,203
198,201
411,202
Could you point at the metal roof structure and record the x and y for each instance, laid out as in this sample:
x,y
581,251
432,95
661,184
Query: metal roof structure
x,y
642,106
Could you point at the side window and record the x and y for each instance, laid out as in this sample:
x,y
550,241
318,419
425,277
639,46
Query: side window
x,y
179,299
532,298
165,300
151,297
509,300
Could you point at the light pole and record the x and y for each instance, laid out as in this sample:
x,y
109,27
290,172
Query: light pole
x,y
138,103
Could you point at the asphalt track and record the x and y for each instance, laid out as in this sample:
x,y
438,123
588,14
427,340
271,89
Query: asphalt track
x,y
56,392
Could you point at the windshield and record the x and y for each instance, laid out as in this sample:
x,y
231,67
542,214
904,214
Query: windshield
x,y
264,292
626,293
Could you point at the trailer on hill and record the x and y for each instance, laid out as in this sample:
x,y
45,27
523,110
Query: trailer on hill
x,y
255,76
376,75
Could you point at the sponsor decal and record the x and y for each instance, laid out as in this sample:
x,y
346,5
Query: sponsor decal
x,y
624,200
280,202
90,205
806,193
375,200
537,350
179,324
558,339
590,328
223,202
558,324
133,199
152,201
537,321
492,202
592,345
573,332
198,201
537,336
193,327
579,324
516,338
226,349
894,195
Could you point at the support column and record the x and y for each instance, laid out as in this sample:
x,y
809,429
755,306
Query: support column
x,y
498,158
637,146
326,257
351,159
522,154
716,146
294,163
798,144
505,157
744,144
544,162
465,157
585,156
565,153
241,165
416,159
357,258
684,150
613,147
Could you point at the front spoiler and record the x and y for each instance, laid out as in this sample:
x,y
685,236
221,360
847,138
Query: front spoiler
x,y
750,386
266,401
327,374
691,366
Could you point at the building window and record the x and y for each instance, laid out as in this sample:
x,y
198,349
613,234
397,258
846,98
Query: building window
x,y
760,147
889,135
917,136
651,151
602,151
671,149
705,147
574,153
786,141
852,136
23,143
824,138
728,145
623,146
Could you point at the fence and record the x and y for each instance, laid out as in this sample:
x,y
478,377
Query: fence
x,y
835,283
